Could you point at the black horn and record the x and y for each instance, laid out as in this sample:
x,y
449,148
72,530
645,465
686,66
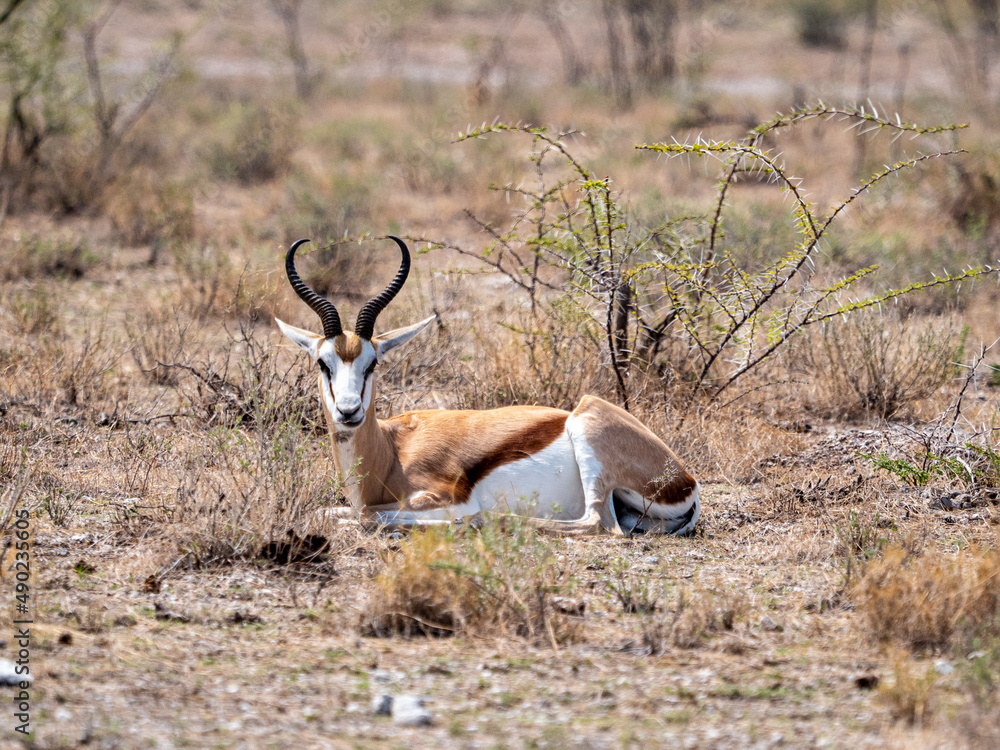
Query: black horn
x,y
365,327
320,305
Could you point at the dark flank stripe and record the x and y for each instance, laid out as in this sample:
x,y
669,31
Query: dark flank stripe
x,y
528,441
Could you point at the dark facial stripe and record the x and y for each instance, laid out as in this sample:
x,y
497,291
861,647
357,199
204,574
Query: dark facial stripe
x,y
364,387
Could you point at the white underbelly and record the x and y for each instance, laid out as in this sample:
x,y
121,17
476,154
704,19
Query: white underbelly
x,y
545,485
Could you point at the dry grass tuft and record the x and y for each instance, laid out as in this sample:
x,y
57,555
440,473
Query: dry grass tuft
x,y
931,601
698,614
909,695
498,582
705,611
421,591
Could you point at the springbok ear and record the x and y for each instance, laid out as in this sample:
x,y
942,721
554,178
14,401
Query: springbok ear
x,y
306,340
386,342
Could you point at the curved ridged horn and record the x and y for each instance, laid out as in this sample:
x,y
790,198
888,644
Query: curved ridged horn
x,y
365,327
320,305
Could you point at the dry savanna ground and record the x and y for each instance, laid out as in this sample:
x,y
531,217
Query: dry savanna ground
x,y
843,586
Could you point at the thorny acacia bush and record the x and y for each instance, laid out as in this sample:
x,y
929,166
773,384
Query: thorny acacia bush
x,y
676,308
501,580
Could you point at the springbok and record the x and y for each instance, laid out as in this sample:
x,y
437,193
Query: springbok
x,y
572,473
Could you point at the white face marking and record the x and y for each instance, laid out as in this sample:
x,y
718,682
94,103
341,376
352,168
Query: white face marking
x,y
347,386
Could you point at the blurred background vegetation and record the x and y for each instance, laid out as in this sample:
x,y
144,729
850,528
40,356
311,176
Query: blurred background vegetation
x,y
165,154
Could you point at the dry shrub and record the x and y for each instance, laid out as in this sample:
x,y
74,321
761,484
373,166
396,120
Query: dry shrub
x,y
84,366
246,494
244,382
134,457
61,505
16,479
931,601
74,370
908,696
975,205
12,453
499,582
341,268
790,494
146,209
820,25
212,284
33,257
704,611
876,364
636,592
157,340
862,536
258,146
547,358
33,312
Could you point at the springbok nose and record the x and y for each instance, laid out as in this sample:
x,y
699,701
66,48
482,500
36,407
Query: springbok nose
x,y
348,408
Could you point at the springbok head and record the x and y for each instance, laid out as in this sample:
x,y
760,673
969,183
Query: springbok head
x,y
347,359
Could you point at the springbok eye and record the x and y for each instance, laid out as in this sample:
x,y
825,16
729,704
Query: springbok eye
x,y
324,368
371,368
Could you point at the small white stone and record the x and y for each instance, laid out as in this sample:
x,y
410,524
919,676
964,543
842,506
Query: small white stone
x,y
943,667
409,711
9,675
768,625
